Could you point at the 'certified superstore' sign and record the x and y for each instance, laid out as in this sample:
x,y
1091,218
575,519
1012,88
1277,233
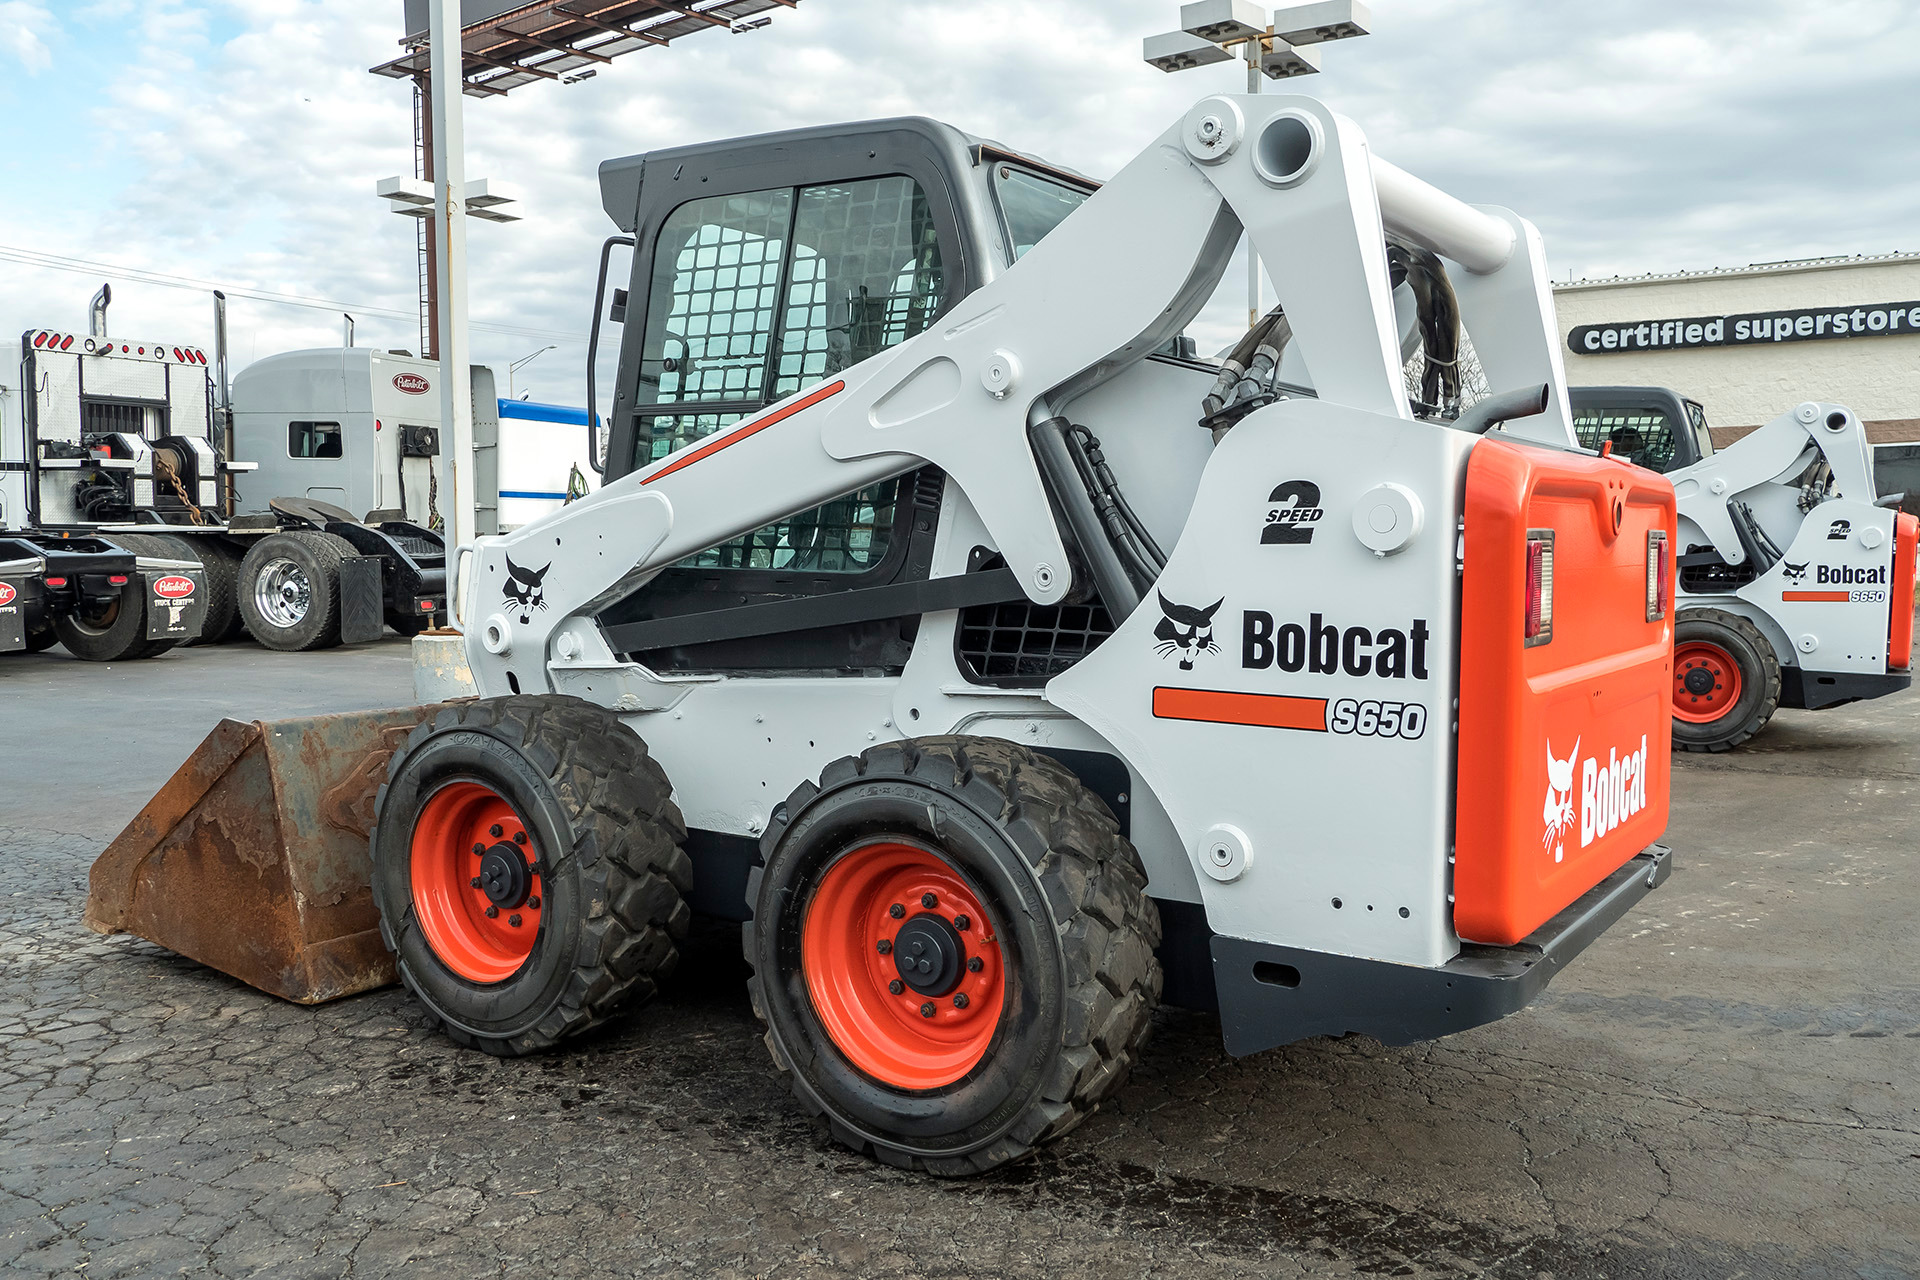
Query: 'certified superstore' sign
x,y
1874,321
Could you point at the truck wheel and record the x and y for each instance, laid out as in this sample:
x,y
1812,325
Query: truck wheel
x,y
116,632
290,589
952,950
1726,680
222,573
528,869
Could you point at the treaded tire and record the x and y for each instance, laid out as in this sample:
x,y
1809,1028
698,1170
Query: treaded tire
x,y
221,570
318,556
124,637
1759,671
1076,930
601,815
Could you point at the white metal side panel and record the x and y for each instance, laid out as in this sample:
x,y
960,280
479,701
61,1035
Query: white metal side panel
x,y
189,399
1348,832
132,379
1148,423
1831,592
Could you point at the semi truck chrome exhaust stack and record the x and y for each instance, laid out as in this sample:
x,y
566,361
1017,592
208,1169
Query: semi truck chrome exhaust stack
x,y
97,318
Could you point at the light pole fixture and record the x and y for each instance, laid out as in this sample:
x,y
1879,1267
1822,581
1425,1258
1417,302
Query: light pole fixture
x,y
414,198
524,360
1277,47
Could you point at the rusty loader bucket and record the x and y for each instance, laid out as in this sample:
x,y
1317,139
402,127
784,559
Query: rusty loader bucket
x,y
253,857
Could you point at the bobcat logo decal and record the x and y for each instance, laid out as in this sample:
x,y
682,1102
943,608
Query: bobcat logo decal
x,y
1795,572
524,590
1558,812
1185,630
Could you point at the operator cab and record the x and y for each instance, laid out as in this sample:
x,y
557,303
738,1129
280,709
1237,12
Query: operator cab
x,y
764,265
1651,427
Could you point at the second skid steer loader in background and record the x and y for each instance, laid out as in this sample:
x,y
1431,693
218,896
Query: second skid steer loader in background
x,y
1005,671
1795,577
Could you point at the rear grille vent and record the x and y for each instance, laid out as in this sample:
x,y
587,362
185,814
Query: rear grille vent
x,y
1021,644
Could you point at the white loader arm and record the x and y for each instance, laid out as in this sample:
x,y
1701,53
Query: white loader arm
x,y
1119,277
1774,454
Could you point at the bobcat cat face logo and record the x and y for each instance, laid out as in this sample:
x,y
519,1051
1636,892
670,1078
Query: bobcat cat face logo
x,y
524,590
1186,631
1558,812
1795,572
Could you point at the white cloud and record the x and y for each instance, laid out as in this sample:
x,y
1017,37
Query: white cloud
x,y
22,25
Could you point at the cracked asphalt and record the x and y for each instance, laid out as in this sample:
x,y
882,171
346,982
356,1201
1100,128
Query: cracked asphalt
x,y
1724,1085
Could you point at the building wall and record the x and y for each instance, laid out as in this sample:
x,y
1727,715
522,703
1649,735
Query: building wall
x,y
1878,377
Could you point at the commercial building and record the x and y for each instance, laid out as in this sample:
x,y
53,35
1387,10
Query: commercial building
x,y
1751,342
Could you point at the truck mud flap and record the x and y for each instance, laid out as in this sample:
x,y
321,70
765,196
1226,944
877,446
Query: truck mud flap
x,y
253,858
362,600
176,603
1272,995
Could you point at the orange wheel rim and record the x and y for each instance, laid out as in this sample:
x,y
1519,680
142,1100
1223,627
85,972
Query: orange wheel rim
x,y
463,861
1706,682
903,966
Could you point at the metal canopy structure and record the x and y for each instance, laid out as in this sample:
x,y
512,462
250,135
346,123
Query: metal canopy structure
x,y
564,39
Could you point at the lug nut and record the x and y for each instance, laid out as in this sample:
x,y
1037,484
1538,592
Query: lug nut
x,y
533,903
492,912
479,849
514,920
884,947
896,911
976,964
959,997
928,901
474,883
496,831
926,1010
896,986
961,922
519,837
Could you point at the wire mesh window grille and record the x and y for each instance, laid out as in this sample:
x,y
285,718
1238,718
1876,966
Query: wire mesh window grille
x,y
1641,436
862,270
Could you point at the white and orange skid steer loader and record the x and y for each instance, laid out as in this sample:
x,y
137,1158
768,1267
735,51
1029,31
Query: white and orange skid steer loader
x,y
919,628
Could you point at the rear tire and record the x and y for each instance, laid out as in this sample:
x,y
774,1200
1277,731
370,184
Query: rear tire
x,y
290,589
1067,978
600,896
117,633
1726,680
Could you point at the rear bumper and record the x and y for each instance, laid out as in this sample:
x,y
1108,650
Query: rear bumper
x,y
1273,995
1813,690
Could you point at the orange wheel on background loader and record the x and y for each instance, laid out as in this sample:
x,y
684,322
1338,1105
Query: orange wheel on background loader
x,y
1726,680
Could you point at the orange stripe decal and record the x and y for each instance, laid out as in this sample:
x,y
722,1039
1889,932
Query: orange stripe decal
x,y
1816,597
741,432
1261,710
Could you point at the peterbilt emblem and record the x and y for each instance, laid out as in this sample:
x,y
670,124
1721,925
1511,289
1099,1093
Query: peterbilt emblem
x,y
411,383
524,589
173,587
7,593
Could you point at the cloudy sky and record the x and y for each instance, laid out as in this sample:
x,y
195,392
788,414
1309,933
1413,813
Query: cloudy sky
x,y
237,142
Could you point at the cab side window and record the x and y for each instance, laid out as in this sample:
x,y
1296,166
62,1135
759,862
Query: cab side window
x,y
1643,437
313,440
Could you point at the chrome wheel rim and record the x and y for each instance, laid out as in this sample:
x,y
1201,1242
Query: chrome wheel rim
x,y
282,593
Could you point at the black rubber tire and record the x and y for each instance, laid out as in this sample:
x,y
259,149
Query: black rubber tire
x,y
600,810
124,637
221,573
1759,679
318,556
1020,829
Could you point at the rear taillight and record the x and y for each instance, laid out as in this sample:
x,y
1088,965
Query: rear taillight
x,y
56,582
427,606
1539,617
117,579
1657,576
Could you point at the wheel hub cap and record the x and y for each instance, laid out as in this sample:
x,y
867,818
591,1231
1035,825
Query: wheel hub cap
x,y
505,876
1699,681
1706,682
928,954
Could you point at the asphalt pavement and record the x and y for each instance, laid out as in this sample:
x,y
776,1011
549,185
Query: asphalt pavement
x,y
1724,1085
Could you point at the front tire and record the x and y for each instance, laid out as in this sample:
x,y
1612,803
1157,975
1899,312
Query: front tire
x,y
1020,1019
548,811
1726,680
